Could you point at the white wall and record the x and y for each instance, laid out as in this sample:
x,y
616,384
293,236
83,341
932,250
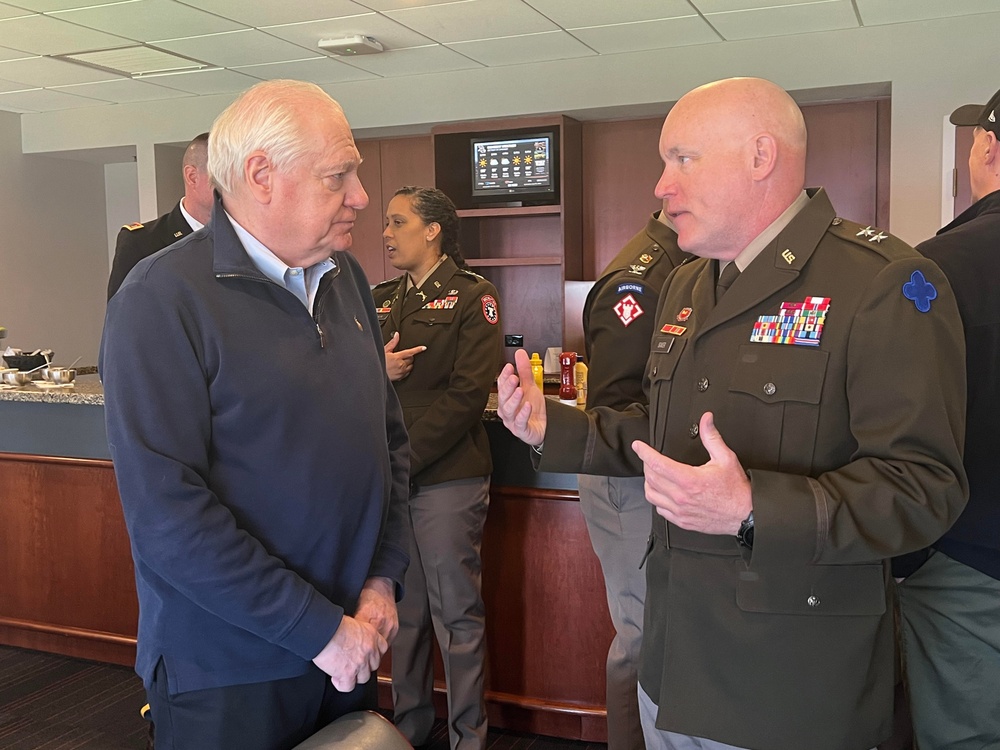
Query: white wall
x,y
121,193
53,250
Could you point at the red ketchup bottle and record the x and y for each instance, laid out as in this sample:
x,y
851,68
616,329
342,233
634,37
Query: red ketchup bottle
x,y
567,382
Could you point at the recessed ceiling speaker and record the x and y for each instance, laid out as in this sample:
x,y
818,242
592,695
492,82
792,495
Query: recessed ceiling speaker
x,y
349,46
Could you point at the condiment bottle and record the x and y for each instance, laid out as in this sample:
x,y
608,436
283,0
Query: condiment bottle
x,y
581,384
537,371
567,378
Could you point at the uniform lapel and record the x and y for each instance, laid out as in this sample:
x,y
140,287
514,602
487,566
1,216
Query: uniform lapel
x,y
433,288
777,266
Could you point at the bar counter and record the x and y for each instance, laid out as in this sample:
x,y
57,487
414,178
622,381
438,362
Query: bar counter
x,y
67,585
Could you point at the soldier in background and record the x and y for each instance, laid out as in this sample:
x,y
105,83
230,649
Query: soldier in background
x,y
618,319
192,212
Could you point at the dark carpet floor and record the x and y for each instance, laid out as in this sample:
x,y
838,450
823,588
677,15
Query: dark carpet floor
x,y
52,702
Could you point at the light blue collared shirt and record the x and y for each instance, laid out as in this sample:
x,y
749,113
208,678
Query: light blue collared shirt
x,y
302,282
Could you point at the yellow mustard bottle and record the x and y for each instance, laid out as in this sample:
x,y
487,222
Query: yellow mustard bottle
x,y
537,370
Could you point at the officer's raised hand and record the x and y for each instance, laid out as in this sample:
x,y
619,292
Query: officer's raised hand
x,y
713,498
521,404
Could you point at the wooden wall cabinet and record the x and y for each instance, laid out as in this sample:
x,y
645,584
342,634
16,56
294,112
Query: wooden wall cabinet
x,y
528,252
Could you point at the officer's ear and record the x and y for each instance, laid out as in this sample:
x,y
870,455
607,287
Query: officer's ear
x,y
764,156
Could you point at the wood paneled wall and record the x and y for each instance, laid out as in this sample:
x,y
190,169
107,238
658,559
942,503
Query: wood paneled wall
x,y
848,155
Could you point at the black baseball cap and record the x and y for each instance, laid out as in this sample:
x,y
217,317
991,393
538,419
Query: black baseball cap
x,y
985,116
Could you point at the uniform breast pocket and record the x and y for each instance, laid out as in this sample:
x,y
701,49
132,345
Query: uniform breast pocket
x,y
434,317
776,391
665,352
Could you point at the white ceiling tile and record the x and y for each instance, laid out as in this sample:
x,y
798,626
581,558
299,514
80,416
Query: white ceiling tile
x,y
12,54
875,12
514,50
204,82
784,20
45,35
574,14
124,90
414,61
392,35
12,86
400,4
317,70
630,37
147,20
44,100
233,48
271,12
45,6
723,6
9,11
473,19
46,71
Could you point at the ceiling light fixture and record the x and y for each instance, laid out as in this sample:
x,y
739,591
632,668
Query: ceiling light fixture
x,y
349,46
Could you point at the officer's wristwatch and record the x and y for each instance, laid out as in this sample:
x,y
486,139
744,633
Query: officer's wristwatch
x,y
745,535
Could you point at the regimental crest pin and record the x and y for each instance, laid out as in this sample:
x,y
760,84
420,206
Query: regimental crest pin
x,y
684,314
645,258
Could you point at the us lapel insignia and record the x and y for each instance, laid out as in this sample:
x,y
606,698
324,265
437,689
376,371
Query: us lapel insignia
x,y
788,256
797,323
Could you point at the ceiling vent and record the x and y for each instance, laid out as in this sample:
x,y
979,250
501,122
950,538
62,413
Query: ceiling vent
x,y
349,46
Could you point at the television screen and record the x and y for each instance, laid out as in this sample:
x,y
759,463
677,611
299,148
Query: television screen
x,y
522,166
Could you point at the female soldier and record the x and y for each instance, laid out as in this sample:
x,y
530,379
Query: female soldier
x,y
444,319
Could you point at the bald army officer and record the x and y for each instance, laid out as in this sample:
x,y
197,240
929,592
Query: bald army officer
x,y
804,426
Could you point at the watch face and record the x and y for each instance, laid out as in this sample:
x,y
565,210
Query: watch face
x,y
745,534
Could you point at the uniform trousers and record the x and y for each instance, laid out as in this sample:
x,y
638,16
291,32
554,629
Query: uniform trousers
x,y
443,599
951,650
274,715
619,520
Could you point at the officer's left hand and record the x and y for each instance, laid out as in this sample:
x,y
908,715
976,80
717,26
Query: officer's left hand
x,y
377,606
713,498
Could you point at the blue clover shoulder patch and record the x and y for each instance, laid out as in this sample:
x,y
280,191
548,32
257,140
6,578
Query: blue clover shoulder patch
x,y
920,291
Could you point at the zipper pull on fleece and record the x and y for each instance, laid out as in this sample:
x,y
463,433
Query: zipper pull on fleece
x,y
322,336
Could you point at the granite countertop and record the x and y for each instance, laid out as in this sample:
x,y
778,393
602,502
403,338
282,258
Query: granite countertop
x,y
86,389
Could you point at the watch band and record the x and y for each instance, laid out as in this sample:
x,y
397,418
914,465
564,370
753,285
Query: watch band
x,y
745,535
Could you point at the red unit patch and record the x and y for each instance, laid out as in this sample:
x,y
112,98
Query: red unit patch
x,y
490,311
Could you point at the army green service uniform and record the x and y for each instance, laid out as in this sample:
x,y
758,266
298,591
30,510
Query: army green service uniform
x,y
454,314
138,241
834,368
618,319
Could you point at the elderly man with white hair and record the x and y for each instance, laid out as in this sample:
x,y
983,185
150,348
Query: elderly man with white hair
x,y
258,445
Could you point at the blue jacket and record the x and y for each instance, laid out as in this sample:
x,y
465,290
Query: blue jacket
x,y
260,455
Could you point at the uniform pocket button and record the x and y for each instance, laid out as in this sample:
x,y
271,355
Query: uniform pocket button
x,y
703,384
693,430
770,389
813,601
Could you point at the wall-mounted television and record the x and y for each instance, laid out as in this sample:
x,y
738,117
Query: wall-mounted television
x,y
515,169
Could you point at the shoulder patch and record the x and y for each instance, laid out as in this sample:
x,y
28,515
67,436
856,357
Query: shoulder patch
x,y
490,311
133,226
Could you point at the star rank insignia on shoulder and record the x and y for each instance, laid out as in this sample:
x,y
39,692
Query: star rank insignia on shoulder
x,y
133,226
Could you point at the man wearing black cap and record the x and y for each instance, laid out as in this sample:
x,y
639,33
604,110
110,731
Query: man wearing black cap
x,y
951,603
